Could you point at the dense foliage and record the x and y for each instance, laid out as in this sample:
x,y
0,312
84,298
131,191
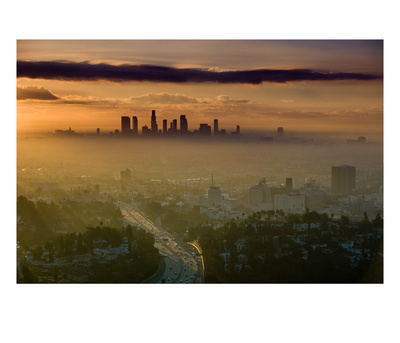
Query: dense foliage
x,y
39,221
141,260
271,252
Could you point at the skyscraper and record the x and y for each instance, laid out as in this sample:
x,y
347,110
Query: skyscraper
x,y
183,124
343,179
174,125
279,131
237,132
216,132
125,125
154,127
165,129
135,125
205,129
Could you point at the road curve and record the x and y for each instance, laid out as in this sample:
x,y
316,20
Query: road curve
x,y
181,262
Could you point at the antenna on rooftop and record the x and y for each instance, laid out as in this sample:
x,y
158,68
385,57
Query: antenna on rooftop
x,y
212,180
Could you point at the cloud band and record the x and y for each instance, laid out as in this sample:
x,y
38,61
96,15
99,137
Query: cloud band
x,y
74,71
34,93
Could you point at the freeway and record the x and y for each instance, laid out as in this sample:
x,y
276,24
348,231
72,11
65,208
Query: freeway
x,y
181,262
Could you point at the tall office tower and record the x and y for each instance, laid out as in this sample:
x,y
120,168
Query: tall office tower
x,y
214,193
343,179
125,125
289,183
154,127
205,129
164,126
279,131
98,131
216,132
135,125
183,124
174,125
237,132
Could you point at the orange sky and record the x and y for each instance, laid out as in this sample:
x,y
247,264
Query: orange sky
x,y
354,106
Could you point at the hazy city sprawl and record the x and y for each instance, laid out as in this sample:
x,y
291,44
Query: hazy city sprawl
x,y
181,183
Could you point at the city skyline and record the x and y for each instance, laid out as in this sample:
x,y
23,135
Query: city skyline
x,y
183,129
305,86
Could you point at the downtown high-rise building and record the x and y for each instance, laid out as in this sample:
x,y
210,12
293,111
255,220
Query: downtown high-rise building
x,y
165,126
174,126
237,132
125,125
205,129
216,132
183,124
135,125
343,179
154,127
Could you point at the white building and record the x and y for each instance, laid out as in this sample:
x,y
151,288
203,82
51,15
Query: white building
x,y
214,196
260,197
290,202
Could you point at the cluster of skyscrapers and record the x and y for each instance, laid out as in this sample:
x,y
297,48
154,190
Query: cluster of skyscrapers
x,y
173,128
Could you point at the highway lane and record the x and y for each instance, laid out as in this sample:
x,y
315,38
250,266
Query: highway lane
x,y
180,264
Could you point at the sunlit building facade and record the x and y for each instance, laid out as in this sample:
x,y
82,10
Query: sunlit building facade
x,y
294,203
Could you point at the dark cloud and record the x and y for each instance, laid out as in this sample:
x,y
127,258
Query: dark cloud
x,y
72,71
38,93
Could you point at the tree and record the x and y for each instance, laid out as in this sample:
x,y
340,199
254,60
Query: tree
x,y
344,221
378,221
27,275
37,253
365,224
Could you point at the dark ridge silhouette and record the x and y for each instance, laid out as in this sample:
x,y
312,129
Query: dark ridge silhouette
x,y
83,71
